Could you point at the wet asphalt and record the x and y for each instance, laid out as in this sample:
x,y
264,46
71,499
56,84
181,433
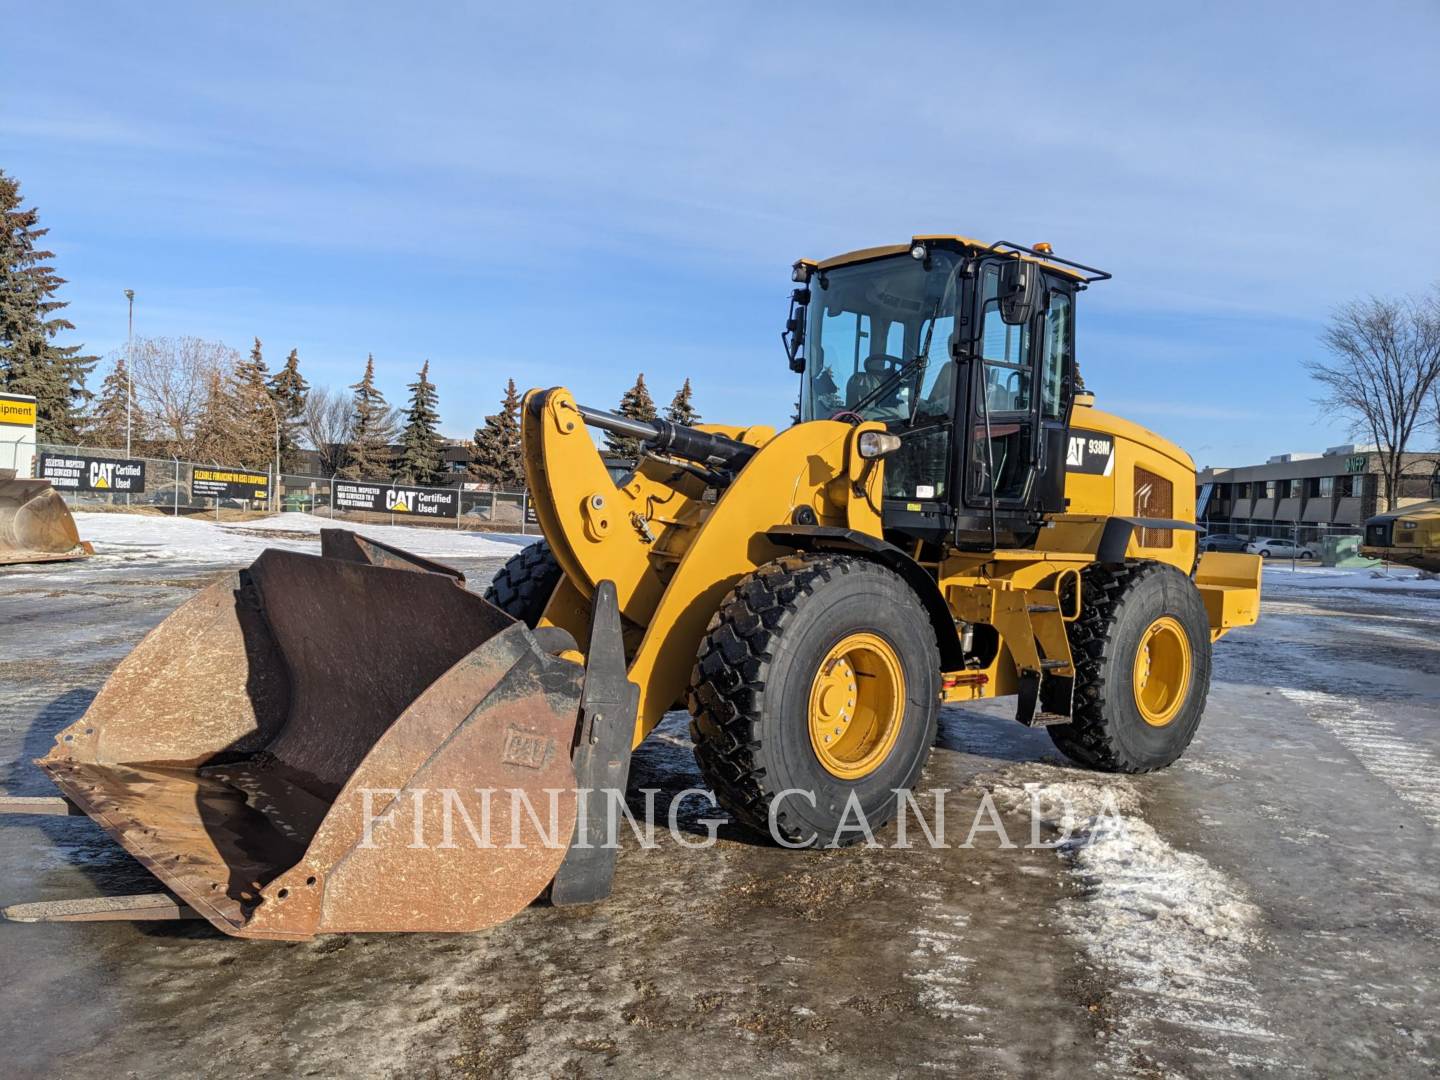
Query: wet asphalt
x,y
1312,793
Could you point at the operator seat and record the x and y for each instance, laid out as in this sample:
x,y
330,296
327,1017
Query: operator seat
x,y
877,367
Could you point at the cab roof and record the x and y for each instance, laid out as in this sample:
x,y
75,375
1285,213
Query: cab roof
x,y
969,244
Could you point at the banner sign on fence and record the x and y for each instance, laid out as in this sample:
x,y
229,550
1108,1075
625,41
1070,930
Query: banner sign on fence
x,y
229,484
383,498
72,472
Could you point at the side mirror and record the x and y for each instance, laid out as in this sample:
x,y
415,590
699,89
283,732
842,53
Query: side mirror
x,y
794,334
1021,287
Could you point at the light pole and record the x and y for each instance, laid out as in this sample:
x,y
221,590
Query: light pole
x,y
129,367
129,373
275,484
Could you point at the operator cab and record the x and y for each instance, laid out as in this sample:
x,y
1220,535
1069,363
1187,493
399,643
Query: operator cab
x,y
967,352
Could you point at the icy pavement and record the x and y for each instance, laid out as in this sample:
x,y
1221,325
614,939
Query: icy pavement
x,y
1268,906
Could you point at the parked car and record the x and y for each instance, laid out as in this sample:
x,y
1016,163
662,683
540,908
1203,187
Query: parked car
x,y
1237,545
1271,547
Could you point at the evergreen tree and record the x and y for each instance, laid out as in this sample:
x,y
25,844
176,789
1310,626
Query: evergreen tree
x,y
30,361
681,409
420,445
372,424
637,404
214,425
105,425
250,414
497,458
288,389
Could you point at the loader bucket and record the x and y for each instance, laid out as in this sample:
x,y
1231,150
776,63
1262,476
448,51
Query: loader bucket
x,y
35,523
303,747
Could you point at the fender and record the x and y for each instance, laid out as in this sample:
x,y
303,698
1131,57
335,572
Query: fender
x,y
1115,539
836,538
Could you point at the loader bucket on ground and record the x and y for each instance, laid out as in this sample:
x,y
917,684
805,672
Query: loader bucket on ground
x,y
35,523
302,749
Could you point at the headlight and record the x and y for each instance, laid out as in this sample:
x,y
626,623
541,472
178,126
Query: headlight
x,y
1409,524
876,444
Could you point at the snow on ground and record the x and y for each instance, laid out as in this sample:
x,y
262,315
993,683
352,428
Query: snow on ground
x,y
1346,577
421,539
943,974
130,538
1173,932
1380,745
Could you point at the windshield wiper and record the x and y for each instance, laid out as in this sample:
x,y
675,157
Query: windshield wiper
x,y
898,375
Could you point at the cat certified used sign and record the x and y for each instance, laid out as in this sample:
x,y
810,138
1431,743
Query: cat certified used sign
x,y
73,473
394,499
229,484
17,410
1090,452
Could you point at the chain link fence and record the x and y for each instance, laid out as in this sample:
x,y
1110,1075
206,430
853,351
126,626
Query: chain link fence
x,y
1328,544
169,487
15,453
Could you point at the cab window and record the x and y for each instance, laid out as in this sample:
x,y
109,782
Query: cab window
x,y
1006,351
1055,354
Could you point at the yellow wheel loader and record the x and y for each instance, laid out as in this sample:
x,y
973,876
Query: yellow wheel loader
x,y
324,743
1410,537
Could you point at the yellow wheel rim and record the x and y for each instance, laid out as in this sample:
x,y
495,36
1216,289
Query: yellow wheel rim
x,y
857,703
1162,671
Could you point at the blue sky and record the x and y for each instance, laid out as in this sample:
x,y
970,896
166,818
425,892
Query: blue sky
x,y
571,194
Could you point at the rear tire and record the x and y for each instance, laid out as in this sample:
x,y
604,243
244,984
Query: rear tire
x,y
523,586
1142,656
789,646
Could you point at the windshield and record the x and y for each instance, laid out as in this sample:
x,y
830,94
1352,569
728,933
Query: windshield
x,y
869,320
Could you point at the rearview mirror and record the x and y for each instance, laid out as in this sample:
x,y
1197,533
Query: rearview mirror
x,y
793,335
1019,292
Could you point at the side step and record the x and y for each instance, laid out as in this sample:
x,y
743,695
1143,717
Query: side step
x,y
149,906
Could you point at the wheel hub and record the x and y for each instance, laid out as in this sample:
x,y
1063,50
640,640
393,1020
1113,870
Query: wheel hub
x,y
1162,671
857,702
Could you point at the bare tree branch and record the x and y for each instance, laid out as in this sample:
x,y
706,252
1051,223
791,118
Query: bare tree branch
x,y
1382,369
172,379
326,426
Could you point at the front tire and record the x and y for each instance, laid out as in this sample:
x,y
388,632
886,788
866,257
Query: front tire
x,y
523,586
1142,656
816,690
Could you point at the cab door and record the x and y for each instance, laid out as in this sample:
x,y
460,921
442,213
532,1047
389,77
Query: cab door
x,y
1056,365
1020,402
1003,411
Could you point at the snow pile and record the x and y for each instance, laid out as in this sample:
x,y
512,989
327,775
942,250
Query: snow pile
x,y
132,538
1171,931
1307,578
1147,905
